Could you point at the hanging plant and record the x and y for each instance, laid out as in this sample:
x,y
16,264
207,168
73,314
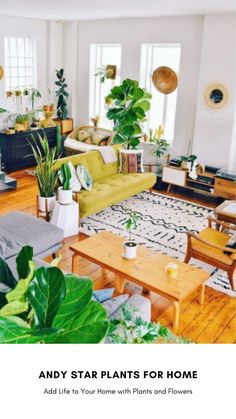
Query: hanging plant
x,y
62,95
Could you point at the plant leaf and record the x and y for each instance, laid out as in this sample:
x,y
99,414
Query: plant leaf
x,y
90,326
6,275
78,295
19,291
22,261
45,294
10,332
13,308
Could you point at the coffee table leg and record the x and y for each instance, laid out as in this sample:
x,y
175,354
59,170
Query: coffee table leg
x,y
176,311
74,262
120,284
202,294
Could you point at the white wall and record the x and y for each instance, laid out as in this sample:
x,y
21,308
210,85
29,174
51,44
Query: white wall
x,y
131,33
49,40
215,133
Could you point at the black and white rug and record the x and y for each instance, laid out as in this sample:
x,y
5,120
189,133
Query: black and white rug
x,y
163,227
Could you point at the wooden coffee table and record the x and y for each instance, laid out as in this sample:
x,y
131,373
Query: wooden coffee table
x,y
147,270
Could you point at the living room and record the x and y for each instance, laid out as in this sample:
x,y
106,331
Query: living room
x,y
153,217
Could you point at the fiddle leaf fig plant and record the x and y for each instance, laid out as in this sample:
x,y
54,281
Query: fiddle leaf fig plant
x,y
62,95
129,104
48,306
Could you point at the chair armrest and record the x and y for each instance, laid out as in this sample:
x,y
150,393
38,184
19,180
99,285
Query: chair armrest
x,y
222,223
216,246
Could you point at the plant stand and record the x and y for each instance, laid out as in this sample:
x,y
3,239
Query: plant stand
x,y
67,218
43,214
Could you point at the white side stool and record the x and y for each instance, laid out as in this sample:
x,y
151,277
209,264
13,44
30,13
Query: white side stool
x,y
66,217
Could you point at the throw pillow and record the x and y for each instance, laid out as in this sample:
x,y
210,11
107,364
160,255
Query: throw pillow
x,y
112,305
82,135
84,177
103,295
100,139
74,181
131,161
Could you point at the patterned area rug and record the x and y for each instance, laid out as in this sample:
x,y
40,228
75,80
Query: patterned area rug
x,y
164,224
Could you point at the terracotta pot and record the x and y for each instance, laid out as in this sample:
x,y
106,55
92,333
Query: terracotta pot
x,y
46,108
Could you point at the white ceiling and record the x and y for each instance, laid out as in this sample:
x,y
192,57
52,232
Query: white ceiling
x,y
103,9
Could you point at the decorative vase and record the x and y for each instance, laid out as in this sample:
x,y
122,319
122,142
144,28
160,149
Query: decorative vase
x,y
48,121
46,204
64,196
130,250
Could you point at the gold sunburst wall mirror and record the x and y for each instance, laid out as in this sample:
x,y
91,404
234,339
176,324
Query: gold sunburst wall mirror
x,y
1,72
165,80
216,96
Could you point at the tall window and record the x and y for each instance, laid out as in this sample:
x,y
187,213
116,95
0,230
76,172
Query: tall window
x,y
102,55
163,107
20,63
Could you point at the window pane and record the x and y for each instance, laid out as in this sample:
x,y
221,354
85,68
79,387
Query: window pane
x,y
163,107
19,54
102,55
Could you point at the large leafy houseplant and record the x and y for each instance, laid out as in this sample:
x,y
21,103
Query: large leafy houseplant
x,y
45,159
62,95
47,306
129,105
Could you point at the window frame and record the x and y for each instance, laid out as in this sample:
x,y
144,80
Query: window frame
x,y
147,55
8,57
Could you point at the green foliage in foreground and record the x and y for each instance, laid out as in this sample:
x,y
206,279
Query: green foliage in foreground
x,y
47,306
130,328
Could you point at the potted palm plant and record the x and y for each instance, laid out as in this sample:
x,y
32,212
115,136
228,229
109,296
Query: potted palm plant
x,y
161,145
65,191
130,247
46,175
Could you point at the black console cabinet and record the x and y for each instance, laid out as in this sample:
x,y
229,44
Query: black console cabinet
x,y
16,151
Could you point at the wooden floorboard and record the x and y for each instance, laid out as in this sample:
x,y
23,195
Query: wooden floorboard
x,y
212,322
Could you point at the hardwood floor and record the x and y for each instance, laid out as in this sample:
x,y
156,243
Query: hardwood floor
x,y
213,322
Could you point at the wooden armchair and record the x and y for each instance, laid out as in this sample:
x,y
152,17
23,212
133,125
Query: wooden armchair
x,y
210,246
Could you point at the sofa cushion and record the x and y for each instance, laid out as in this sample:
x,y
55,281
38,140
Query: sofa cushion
x,y
103,295
113,304
111,190
9,246
143,306
31,231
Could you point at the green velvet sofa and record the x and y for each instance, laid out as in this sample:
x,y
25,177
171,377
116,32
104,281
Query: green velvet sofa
x,y
109,186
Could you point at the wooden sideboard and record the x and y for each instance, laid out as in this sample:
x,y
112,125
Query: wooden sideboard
x,y
207,183
16,151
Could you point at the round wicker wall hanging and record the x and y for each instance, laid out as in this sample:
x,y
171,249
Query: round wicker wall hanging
x,y
1,72
165,80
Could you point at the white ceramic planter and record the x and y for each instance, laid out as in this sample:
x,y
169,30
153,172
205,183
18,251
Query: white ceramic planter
x,y
130,252
50,203
64,197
